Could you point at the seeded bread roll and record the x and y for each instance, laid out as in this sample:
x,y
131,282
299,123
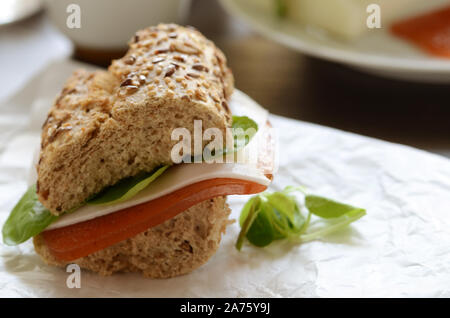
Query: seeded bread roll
x,y
175,247
108,125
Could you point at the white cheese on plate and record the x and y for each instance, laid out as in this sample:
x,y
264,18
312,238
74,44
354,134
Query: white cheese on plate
x,y
344,18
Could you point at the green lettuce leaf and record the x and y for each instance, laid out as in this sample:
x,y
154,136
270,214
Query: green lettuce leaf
x,y
327,208
126,188
249,213
239,127
273,216
27,219
262,231
333,225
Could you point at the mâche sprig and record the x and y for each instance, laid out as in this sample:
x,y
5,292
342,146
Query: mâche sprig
x,y
272,216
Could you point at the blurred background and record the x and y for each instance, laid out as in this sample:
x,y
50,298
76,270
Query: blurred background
x,y
281,79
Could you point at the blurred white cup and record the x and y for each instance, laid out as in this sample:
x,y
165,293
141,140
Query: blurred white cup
x,y
110,24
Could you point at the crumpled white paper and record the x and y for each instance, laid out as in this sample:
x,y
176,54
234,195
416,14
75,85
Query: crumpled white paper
x,y
400,249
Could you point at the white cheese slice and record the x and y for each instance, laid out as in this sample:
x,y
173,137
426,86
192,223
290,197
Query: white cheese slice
x,y
174,178
179,176
345,18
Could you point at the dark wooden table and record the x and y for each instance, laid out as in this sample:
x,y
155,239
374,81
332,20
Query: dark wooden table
x,y
294,85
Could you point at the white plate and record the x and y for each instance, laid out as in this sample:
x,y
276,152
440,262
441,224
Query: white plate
x,y
378,53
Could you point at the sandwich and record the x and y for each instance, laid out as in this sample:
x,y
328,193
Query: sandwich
x,y
111,192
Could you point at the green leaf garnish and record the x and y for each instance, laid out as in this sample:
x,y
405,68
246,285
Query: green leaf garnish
x,y
327,208
268,217
261,232
27,219
250,211
334,226
126,188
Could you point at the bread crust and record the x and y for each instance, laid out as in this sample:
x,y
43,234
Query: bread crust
x,y
108,125
175,247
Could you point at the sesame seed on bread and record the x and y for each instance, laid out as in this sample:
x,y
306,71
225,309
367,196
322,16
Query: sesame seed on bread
x,y
108,125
